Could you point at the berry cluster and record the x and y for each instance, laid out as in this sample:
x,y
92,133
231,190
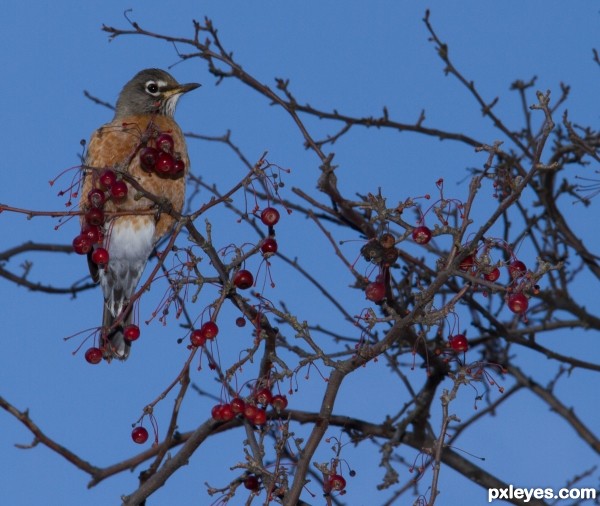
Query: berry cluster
x,y
384,253
94,355
207,332
520,282
270,217
253,410
243,279
516,300
159,158
91,235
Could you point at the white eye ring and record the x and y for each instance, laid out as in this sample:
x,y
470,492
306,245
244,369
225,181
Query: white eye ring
x,y
152,88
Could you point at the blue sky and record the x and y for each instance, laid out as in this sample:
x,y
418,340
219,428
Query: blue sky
x,y
356,59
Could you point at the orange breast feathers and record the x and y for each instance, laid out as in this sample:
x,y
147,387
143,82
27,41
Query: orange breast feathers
x,y
120,146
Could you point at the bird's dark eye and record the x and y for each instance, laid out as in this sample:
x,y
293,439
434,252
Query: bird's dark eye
x,y
152,87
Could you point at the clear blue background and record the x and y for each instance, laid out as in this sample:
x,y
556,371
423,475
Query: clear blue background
x,y
355,57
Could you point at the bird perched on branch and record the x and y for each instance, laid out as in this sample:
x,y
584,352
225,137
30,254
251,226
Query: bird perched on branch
x,y
134,175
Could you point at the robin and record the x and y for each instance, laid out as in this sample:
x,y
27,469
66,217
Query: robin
x,y
142,151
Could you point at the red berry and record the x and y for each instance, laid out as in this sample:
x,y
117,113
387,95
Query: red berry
x,y
240,321
459,343
243,279
93,355
216,412
227,413
209,330
139,435
518,303
421,235
178,167
336,482
96,197
197,338
93,233
375,291
107,179
119,190
82,244
279,402
269,216
95,216
263,396
100,256
148,157
517,269
250,412
269,247
493,275
238,405
165,163
260,417
251,483
165,143
467,263
131,332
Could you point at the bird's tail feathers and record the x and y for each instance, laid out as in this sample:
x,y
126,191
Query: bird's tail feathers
x,y
114,343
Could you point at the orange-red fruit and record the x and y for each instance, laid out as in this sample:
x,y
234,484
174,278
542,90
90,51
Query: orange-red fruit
x,y
517,269
337,482
178,168
243,279
269,216
165,163
93,233
251,482
269,247
197,338
215,412
93,355
107,179
459,343
466,263
96,197
260,417
375,291
279,402
100,256
226,413
95,216
209,330
82,244
165,143
517,303
263,396
238,405
250,411
421,235
119,190
493,275
148,157
131,332
222,412
139,435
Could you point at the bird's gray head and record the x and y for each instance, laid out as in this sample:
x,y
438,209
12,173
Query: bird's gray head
x,y
151,91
